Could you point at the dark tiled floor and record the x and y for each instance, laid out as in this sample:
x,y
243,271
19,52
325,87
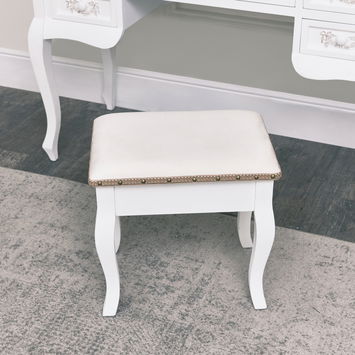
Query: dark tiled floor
x,y
316,194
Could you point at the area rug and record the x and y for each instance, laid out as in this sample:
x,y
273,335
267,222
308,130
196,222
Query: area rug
x,y
183,282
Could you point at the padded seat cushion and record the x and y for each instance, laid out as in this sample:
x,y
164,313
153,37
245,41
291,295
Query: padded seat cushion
x,y
169,147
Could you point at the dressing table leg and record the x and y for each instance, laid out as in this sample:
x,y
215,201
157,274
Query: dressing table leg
x,y
41,56
110,77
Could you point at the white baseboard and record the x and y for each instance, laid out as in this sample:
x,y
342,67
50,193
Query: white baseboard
x,y
309,118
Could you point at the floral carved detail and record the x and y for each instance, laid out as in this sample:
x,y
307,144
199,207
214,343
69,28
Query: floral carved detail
x,y
350,2
328,38
83,7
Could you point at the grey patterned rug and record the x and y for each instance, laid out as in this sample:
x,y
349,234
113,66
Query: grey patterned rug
x,y
183,279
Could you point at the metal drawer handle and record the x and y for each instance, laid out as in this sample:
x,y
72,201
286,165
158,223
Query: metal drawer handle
x,y
83,7
328,38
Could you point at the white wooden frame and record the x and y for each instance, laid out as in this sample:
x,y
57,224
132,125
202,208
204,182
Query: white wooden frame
x,y
106,32
245,197
47,25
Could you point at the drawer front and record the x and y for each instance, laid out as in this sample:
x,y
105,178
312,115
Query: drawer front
x,y
328,39
275,2
89,11
342,6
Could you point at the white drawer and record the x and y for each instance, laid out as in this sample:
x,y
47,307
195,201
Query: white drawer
x,y
328,39
275,2
100,12
342,6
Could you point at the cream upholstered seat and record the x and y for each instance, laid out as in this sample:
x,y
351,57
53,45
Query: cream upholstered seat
x,y
164,147
183,162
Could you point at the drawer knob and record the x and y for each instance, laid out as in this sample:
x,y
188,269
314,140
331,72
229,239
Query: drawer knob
x,y
83,7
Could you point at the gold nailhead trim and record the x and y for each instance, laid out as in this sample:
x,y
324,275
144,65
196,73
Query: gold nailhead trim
x,y
184,179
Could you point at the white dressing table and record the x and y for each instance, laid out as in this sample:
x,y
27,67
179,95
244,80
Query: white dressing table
x,y
323,41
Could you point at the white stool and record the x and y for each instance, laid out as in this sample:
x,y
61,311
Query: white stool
x,y
183,162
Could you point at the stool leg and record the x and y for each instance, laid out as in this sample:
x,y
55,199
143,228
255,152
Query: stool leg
x,y
243,223
264,235
105,236
117,234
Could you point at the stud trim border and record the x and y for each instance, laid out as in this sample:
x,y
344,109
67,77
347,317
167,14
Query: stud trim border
x,y
184,179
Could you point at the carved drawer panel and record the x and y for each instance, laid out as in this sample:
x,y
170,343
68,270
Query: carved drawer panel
x,y
328,39
88,11
275,2
342,6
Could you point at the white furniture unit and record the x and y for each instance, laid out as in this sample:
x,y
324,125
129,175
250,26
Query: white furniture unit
x,y
198,162
323,44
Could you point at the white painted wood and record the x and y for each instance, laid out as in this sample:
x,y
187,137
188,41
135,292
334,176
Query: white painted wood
x,y
109,78
41,57
342,6
327,68
243,196
328,39
275,2
268,7
329,16
40,46
117,234
81,21
103,12
315,60
185,198
244,230
264,234
106,241
93,35
216,15
100,23
102,28
290,115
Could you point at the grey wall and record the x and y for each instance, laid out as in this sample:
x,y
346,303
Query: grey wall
x,y
231,47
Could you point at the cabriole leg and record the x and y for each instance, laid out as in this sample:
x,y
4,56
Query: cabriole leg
x,y
110,77
243,223
105,241
264,235
41,56
117,234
